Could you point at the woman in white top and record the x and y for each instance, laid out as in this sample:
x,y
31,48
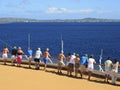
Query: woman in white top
x,y
114,70
91,61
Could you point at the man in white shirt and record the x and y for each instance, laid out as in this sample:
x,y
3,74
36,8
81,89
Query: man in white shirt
x,y
108,67
38,55
91,61
71,64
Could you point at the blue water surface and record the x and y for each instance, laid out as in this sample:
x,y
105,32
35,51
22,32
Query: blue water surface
x,y
80,38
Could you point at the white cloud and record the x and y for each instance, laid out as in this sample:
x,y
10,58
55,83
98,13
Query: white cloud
x,y
103,11
65,10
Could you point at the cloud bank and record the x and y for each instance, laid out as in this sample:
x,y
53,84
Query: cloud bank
x,y
65,10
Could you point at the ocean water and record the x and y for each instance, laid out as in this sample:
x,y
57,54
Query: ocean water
x,y
80,38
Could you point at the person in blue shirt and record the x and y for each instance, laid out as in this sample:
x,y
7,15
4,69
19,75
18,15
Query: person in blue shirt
x,y
83,64
29,54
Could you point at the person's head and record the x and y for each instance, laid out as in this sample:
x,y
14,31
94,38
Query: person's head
x,y
14,47
77,55
91,56
73,53
115,61
5,46
108,58
39,48
47,49
29,48
19,47
62,51
86,55
69,54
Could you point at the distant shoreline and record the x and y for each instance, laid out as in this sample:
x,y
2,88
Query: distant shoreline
x,y
12,20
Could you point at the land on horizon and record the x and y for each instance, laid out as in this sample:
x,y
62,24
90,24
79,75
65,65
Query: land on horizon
x,y
11,20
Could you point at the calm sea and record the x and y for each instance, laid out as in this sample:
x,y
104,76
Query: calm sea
x,y
80,38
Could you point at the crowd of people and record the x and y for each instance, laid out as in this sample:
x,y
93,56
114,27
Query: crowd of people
x,y
75,63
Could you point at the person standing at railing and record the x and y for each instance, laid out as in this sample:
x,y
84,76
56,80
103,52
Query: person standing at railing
x,y
114,72
77,65
13,57
29,55
83,64
38,55
5,54
91,61
108,68
46,58
60,62
71,64
19,56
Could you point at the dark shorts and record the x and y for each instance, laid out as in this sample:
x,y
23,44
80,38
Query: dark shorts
x,y
71,67
37,60
77,65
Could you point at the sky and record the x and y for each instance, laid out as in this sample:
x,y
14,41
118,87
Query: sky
x,y
60,9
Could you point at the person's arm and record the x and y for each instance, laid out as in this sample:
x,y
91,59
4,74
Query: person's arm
x,y
94,62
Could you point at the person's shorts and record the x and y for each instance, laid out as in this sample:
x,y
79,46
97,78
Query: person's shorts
x,y
37,60
46,60
4,56
71,67
82,68
13,57
77,65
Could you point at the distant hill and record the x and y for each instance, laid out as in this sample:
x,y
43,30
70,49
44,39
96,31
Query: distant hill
x,y
11,20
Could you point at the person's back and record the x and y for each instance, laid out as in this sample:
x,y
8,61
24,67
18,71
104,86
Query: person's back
x,y
115,66
72,57
29,52
108,68
108,64
38,54
83,60
114,71
20,52
61,56
14,51
46,54
91,62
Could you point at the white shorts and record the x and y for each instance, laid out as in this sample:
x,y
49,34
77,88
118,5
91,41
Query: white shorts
x,y
90,69
4,56
107,72
13,57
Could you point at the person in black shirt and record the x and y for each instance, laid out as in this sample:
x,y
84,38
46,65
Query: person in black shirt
x,y
13,55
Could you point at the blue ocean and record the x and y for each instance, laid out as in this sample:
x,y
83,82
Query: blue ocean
x,y
81,38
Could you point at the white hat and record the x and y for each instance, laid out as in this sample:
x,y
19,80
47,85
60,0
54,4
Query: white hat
x,y
47,49
38,48
19,47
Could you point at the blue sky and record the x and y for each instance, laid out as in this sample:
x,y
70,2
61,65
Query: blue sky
x,y
60,9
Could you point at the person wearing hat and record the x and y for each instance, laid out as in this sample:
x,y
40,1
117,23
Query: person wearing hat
x,y
47,56
38,55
